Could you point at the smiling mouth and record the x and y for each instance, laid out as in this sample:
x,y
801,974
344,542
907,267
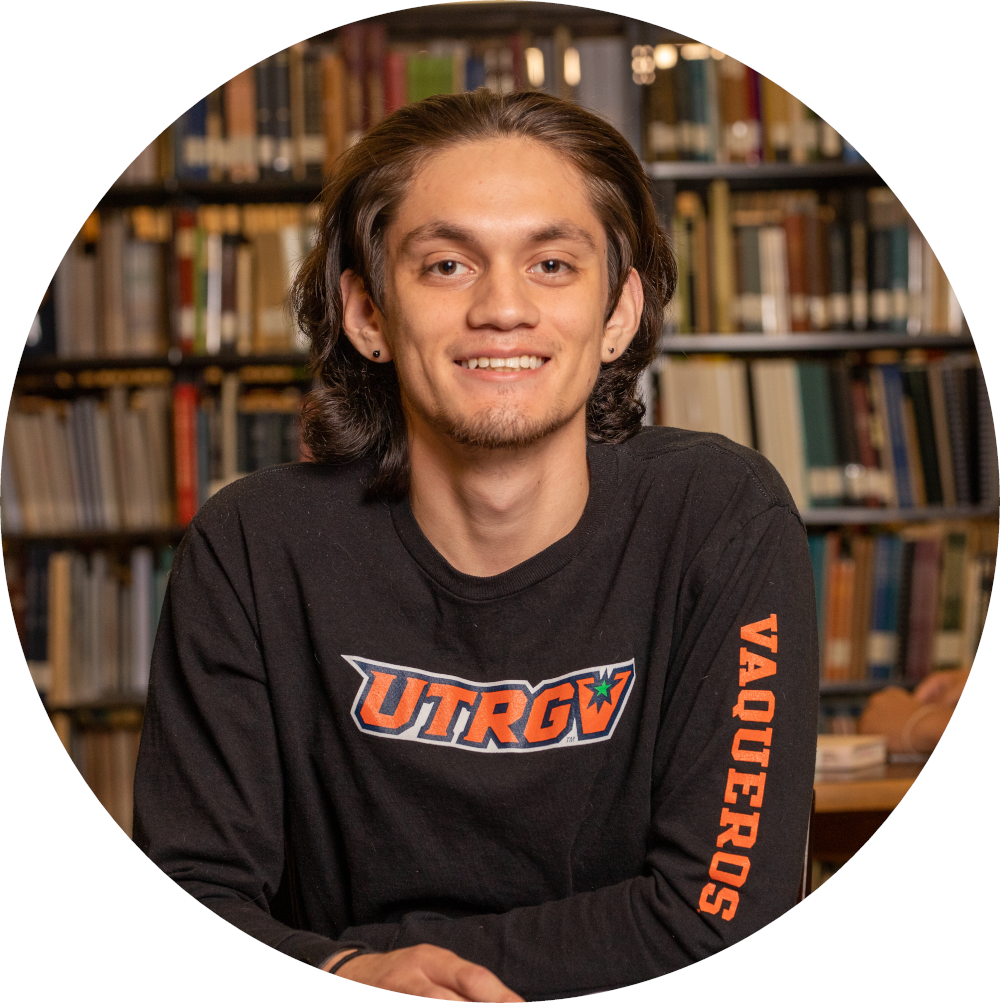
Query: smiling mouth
x,y
512,365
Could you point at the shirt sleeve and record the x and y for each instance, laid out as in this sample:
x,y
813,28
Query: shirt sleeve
x,y
209,792
731,790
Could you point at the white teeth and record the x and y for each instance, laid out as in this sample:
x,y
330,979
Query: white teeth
x,y
514,364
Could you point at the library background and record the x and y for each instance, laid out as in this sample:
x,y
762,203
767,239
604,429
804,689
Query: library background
x,y
812,321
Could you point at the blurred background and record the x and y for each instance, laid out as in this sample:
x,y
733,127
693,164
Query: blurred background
x,y
812,321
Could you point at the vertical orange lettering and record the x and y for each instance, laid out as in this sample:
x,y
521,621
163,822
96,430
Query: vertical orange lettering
x,y
744,713
734,860
371,709
749,755
536,730
451,696
737,822
728,896
497,711
752,632
746,782
755,667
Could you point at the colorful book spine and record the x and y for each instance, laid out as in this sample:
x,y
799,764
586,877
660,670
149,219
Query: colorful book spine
x,y
185,398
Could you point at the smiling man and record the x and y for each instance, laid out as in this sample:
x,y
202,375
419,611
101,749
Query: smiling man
x,y
488,700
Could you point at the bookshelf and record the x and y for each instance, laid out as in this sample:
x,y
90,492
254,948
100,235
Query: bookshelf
x,y
834,342
234,396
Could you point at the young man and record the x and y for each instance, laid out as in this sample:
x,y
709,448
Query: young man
x,y
489,700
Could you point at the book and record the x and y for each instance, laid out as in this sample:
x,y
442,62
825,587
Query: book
x,y
836,753
185,397
922,608
882,646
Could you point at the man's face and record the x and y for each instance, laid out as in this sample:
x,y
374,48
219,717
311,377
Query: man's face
x,y
495,295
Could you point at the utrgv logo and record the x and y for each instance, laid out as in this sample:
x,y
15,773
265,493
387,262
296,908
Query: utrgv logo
x,y
511,716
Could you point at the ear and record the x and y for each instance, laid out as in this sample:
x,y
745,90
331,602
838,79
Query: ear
x,y
362,321
624,322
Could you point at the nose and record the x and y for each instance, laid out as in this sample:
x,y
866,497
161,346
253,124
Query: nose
x,y
503,300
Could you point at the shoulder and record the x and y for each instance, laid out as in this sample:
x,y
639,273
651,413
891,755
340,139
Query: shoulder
x,y
719,471
293,495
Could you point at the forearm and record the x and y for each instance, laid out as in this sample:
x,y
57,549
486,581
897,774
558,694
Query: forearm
x,y
593,941
310,948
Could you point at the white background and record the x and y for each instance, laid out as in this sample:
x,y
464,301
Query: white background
x,y
85,86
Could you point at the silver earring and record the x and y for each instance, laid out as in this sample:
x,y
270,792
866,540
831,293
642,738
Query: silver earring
x,y
376,353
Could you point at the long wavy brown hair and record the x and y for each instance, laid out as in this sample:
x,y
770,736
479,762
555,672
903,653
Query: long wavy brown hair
x,y
354,409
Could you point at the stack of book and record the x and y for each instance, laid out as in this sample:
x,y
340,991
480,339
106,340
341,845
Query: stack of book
x,y
894,606
106,756
88,465
779,262
138,462
88,618
701,104
888,433
291,115
209,280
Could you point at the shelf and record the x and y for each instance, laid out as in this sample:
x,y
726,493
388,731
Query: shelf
x,y
111,702
859,687
878,516
767,175
210,192
793,344
739,176
174,361
484,20
100,538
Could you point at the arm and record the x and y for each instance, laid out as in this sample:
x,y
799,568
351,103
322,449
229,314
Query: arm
x,y
689,902
209,790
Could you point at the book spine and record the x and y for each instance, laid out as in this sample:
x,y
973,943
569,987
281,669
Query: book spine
x,y
923,607
184,254
795,246
185,451
896,433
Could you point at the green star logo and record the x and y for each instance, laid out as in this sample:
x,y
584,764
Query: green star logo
x,y
600,693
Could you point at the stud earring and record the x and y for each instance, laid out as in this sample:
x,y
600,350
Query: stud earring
x,y
376,353
611,350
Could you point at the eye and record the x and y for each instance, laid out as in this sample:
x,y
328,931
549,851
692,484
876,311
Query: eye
x,y
448,267
550,266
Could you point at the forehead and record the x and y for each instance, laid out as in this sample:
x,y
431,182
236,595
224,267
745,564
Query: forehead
x,y
505,187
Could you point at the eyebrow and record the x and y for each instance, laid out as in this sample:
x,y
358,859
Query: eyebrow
x,y
442,230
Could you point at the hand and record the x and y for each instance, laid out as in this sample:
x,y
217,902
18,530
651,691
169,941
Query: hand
x,y
429,971
942,687
888,713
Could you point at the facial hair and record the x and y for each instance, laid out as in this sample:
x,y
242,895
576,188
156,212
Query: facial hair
x,y
500,426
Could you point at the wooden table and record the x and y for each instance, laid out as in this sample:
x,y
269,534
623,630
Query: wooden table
x,y
851,806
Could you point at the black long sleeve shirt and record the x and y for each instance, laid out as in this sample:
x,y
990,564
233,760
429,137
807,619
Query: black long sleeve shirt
x,y
587,771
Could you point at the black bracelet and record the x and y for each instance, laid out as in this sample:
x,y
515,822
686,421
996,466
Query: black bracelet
x,y
355,953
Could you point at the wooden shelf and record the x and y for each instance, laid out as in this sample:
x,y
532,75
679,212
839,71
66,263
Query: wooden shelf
x,y
110,702
100,538
794,344
880,516
879,790
174,361
832,173
485,20
739,176
859,687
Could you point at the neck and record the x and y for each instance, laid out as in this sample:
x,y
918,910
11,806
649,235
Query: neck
x,y
487,510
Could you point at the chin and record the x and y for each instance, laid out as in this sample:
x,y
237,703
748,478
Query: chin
x,y
499,427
